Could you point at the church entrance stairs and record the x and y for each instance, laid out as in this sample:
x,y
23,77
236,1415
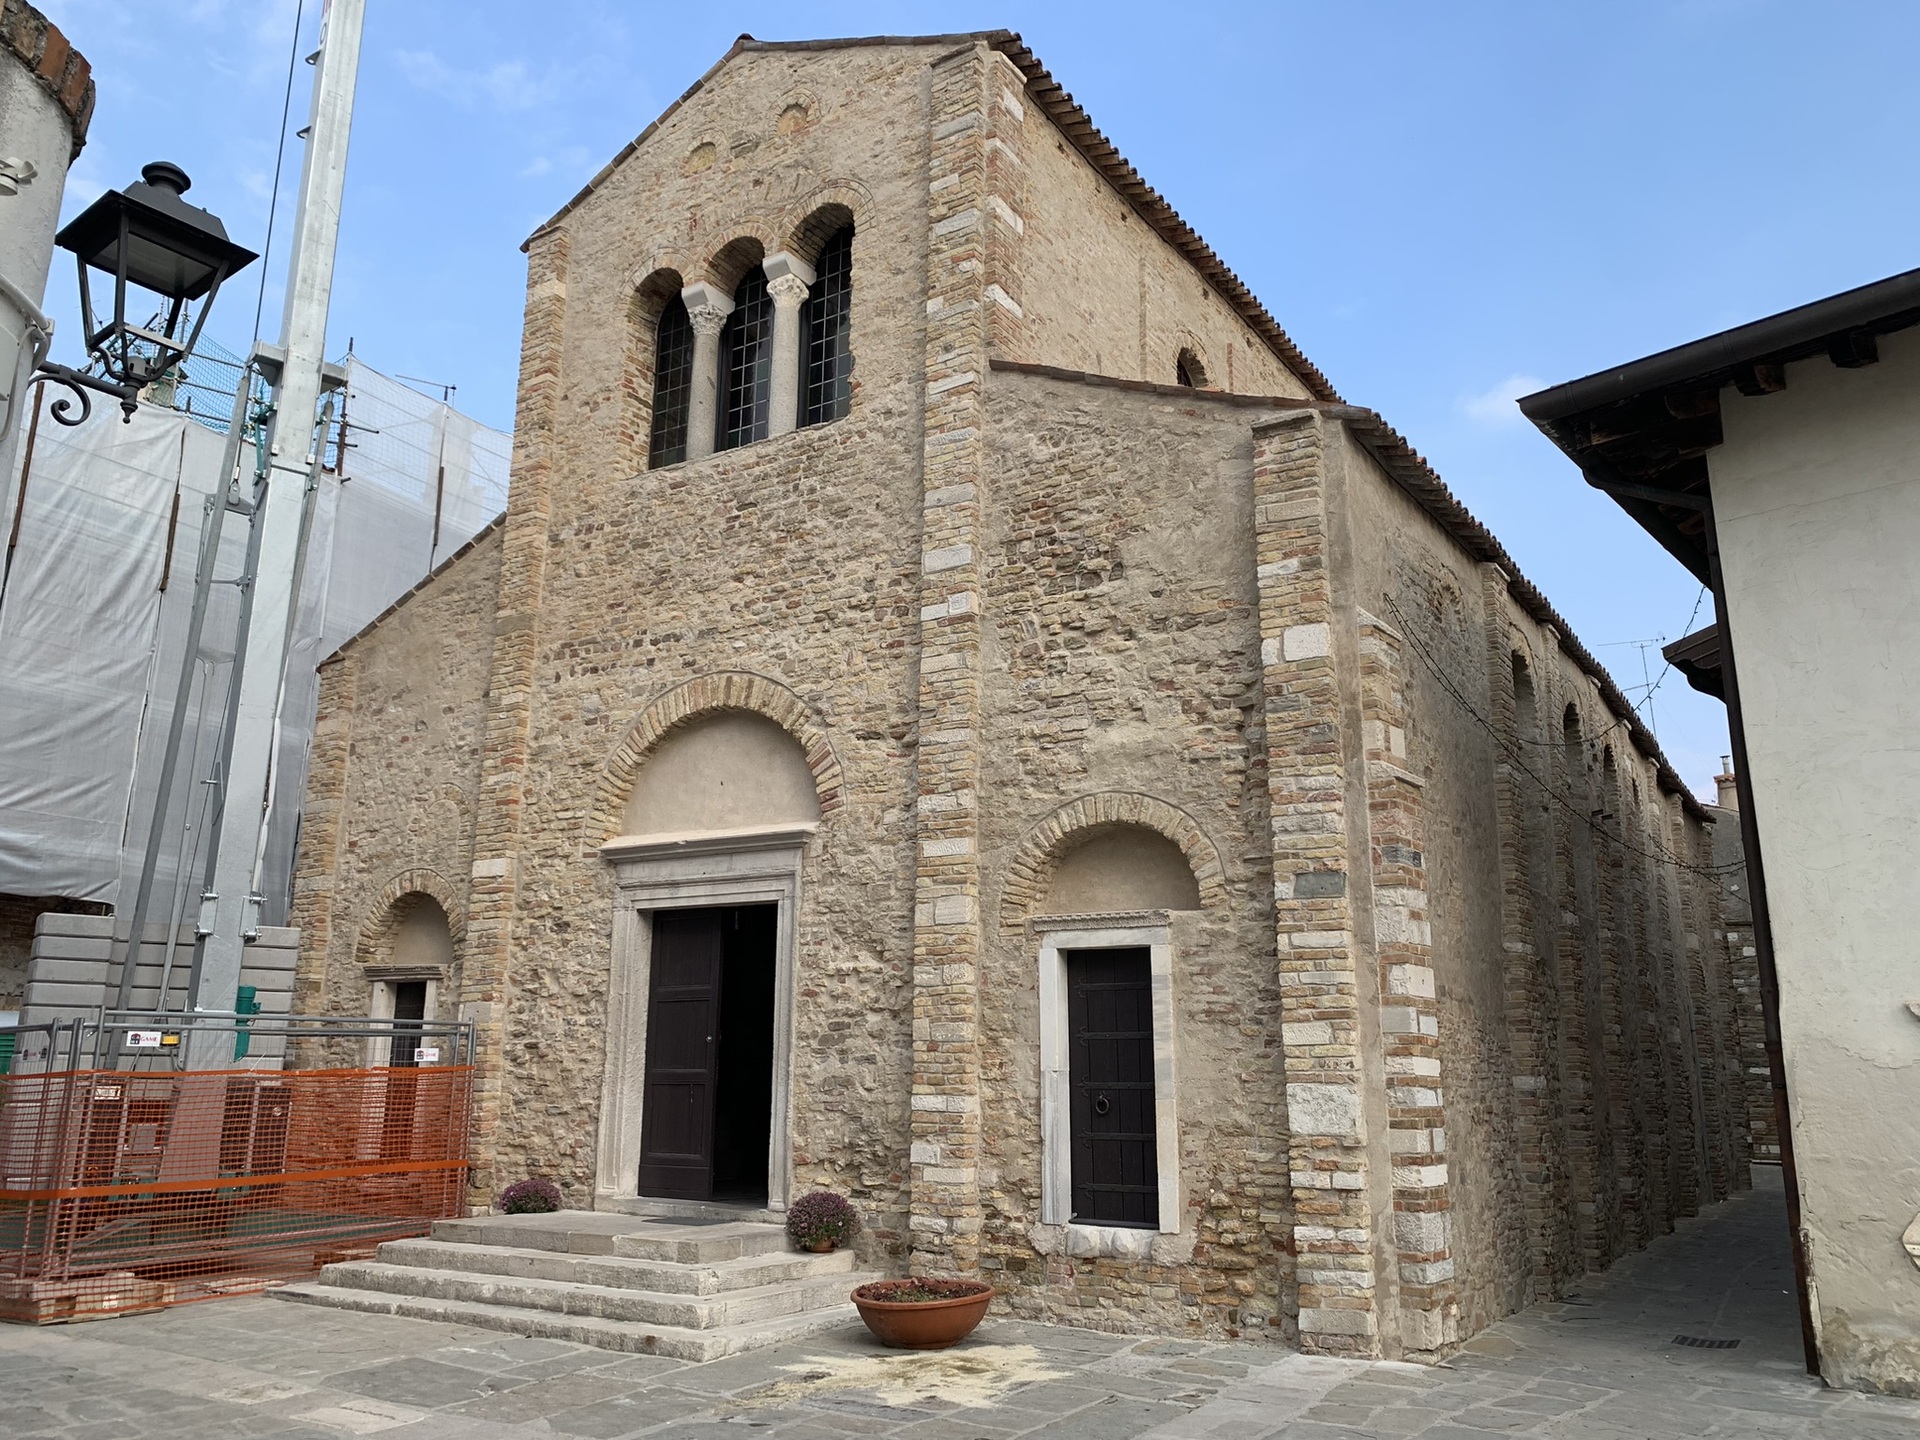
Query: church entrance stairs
x,y
694,1285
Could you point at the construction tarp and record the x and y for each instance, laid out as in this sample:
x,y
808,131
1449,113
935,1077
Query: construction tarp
x,y
94,616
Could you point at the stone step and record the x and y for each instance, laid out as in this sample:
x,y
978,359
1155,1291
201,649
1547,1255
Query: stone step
x,y
638,1307
646,1206
678,1343
589,1232
618,1272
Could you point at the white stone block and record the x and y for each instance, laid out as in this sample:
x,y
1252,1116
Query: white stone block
x,y
1306,642
1314,1109
1307,1032
1418,1232
945,557
1414,980
1419,1177
1336,1322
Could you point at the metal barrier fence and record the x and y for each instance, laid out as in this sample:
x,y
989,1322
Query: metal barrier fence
x,y
149,1184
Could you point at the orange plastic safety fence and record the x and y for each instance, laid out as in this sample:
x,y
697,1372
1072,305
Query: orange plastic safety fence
x,y
128,1191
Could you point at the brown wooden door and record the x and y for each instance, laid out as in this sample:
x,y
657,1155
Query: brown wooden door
x,y
1116,1175
683,1024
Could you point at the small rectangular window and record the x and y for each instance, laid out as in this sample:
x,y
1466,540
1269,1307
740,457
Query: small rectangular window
x,y
1116,1176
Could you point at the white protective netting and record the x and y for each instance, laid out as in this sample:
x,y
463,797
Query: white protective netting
x,y
91,643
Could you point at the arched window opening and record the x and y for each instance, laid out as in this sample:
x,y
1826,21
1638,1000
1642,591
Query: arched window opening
x,y
1188,371
828,357
672,385
746,364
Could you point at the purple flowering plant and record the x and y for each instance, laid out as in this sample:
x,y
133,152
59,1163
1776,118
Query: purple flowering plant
x,y
821,1217
535,1196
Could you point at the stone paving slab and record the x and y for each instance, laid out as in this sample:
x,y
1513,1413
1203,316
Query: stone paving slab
x,y
1599,1365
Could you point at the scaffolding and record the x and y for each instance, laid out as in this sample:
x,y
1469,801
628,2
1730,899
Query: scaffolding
x,y
103,525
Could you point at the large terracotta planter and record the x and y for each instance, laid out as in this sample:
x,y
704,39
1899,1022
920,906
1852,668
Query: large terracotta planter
x,y
923,1324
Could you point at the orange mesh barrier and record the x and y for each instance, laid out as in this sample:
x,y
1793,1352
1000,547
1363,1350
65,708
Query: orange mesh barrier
x,y
123,1191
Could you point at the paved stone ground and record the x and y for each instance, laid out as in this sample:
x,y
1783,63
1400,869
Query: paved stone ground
x,y
1600,1366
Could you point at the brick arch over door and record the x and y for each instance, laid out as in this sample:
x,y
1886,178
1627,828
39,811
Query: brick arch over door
x,y
384,915
1033,863
708,695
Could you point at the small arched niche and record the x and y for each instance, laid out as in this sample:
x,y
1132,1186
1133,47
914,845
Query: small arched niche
x,y
1117,868
421,936
732,770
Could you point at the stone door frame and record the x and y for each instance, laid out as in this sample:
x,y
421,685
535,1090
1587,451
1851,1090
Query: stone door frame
x,y
729,867
1141,929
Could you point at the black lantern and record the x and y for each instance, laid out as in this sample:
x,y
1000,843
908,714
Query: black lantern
x,y
144,236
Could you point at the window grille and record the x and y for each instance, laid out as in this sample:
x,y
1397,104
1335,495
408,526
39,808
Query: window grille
x,y
829,361
672,385
746,364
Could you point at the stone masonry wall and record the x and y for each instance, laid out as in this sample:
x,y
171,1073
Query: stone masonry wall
x,y
1102,292
797,558
1122,658
395,775
1563,948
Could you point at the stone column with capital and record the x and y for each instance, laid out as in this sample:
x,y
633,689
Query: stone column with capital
x,y
707,310
788,280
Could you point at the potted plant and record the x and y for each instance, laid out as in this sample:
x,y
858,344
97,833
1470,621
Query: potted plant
x,y
535,1196
922,1312
821,1222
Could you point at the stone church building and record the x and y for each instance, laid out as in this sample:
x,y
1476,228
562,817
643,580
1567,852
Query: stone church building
x,y
959,711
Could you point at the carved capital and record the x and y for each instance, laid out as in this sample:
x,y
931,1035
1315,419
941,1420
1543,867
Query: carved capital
x,y
788,291
707,308
784,264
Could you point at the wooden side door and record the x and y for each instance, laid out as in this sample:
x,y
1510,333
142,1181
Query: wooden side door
x,y
1116,1173
683,1030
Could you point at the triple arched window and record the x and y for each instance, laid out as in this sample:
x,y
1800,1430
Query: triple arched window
x,y
780,357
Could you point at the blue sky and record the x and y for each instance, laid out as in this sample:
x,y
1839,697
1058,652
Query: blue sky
x,y
1445,205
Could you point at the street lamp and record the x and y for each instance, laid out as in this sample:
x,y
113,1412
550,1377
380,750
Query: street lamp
x,y
146,236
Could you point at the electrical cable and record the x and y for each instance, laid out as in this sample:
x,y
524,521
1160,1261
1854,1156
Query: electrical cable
x,y
279,157
1714,872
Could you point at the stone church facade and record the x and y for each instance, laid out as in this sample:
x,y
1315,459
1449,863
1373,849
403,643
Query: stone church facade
x,y
960,712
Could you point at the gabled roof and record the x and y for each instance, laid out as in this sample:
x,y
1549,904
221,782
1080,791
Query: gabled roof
x,y
1080,132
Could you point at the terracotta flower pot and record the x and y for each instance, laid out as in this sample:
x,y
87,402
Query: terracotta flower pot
x,y
823,1247
923,1324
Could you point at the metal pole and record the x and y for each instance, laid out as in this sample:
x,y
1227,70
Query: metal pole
x,y
231,908
183,692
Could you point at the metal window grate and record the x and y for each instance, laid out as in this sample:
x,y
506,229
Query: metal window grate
x,y
829,359
672,385
1696,1343
746,364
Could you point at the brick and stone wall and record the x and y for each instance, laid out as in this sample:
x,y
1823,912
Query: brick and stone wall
x,y
1435,1018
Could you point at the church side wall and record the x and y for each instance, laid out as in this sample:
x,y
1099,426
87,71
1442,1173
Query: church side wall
x,y
1122,657
1102,292
395,773
1565,947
